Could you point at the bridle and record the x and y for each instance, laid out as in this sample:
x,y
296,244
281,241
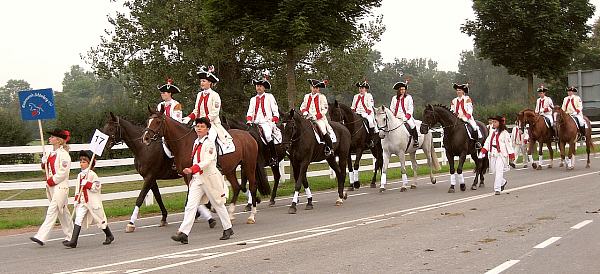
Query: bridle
x,y
159,133
384,128
428,126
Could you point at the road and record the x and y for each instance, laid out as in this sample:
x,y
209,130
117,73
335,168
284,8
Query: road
x,y
538,225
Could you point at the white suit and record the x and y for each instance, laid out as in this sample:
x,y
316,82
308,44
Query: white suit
x,y
208,104
543,106
403,108
89,210
463,108
172,109
520,139
263,111
573,106
315,105
499,148
363,104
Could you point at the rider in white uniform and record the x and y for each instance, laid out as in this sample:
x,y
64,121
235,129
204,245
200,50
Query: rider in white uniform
x,y
402,106
462,106
573,106
171,107
363,104
314,107
543,106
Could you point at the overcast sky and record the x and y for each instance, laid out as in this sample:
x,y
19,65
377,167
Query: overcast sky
x,y
43,39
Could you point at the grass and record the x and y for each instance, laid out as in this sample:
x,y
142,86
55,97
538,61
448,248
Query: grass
x,y
24,217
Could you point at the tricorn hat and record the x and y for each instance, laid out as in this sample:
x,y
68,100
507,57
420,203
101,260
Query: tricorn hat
x,y
264,81
207,74
463,87
317,83
498,118
542,88
61,133
169,87
572,88
87,154
398,85
363,84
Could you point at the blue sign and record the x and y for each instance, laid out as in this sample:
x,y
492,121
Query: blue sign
x,y
37,104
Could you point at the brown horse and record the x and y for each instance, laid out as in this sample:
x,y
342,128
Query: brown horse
x,y
538,132
567,134
180,140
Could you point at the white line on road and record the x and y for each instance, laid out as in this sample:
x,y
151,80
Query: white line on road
x,y
582,224
547,242
502,267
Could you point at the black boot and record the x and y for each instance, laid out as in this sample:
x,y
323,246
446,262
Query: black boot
x,y
226,234
109,236
415,137
180,237
371,143
328,145
582,134
554,134
273,153
73,242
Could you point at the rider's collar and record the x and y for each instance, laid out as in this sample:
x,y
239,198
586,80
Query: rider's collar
x,y
207,91
201,140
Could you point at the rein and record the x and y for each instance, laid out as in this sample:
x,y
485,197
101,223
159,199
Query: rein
x,y
157,134
120,133
384,128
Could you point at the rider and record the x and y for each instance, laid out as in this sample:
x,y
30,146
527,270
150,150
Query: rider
x,y
362,104
208,104
402,106
543,106
500,149
314,107
573,106
171,107
462,106
263,111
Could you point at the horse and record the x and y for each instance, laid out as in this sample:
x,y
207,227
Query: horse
x,y
263,156
302,148
149,161
180,140
396,140
538,132
360,137
456,143
567,134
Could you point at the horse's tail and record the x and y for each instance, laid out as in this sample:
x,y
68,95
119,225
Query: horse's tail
x,y
262,181
434,159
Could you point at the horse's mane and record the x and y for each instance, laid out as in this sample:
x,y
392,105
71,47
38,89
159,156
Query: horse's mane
x,y
347,110
444,107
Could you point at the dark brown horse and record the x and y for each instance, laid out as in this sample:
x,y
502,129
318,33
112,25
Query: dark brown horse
x,y
149,161
567,134
180,140
302,147
360,138
538,132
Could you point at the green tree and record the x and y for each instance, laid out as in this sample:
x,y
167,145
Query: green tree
x,y
587,56
291,28
13,131
9,97
529,38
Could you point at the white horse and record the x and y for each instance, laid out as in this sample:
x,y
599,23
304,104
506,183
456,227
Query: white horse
x,y
396,140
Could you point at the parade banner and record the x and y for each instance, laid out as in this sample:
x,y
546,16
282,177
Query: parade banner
x,y
37,104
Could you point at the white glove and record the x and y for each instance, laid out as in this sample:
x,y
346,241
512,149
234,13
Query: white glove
x,y
248,122
481,155
306,114
45,158
186,120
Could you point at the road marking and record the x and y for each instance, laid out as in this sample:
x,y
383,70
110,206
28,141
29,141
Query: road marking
x,y
502,267
582,224
547,242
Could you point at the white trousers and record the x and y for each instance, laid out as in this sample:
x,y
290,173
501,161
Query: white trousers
x,y
81,210
580,119
498,165
166,149
217,130
370,120
268,129
194,196
550,118
475,126
58,196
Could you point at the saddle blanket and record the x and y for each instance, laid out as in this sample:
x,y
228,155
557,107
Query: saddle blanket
x,y
468,128
577,122
225,148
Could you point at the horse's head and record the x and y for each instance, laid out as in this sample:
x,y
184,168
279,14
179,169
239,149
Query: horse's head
x,y
429,119
381,120
112,128
335,112
155,129
557,114
289,128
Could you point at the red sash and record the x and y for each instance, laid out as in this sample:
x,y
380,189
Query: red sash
x,y
497,136
168,110
310,98
51,161
260,100
205,99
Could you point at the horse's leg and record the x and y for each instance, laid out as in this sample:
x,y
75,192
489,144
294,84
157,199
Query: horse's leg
x,y
430,156
588,145
561,147
340,179
300,175
540,155
530,150
452,171
276,178
138,203
571,158
413,161
243,188
161,205
551,152
402,157
386,161
354,177
309,203
235,188
477,170
350,173
459,171
377,166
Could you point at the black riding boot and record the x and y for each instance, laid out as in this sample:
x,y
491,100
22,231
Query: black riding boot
x,y
582,134
109,236
273,153
371,142
415,137
73,242
328,145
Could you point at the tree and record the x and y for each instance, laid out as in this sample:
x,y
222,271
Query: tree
x,y
291,28
9,93
536,37
588,55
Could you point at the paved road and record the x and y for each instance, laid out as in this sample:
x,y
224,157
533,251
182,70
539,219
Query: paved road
x,y
538,225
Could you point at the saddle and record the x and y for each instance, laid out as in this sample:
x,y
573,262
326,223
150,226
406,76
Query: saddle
x,y
319,134
471,132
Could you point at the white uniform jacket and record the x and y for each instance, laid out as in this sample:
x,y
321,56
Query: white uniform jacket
x,y
363,104
57,166
499,147
208,104
572,105
90,191
205,172
263,108
462,107
172,109
543,106
402,107
316,106
517,136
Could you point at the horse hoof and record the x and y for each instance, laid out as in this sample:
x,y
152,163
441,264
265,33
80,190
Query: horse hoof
x,y
345,196
403,189
413,186
381,190
163,223
350,188
463,187
292,210
451,190
539,167
339,202
434,181
534,165
550,166
524,166
473,187
357,185
250,221
481,185
308,207
271,203
373,185
561,165
587,166
129,228
570,168
248,207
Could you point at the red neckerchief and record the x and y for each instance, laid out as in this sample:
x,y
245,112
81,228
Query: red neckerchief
x,y
260,100
316,99
361,98
497,135
572,103
168,109
461,103
541,105
397,104
51,160
205,99
82,188
518,133
196,151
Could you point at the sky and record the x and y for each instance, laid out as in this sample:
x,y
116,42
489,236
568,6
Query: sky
x,y
43,39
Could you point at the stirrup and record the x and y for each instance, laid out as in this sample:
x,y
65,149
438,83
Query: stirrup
x,y
477,145
415,143
328,151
